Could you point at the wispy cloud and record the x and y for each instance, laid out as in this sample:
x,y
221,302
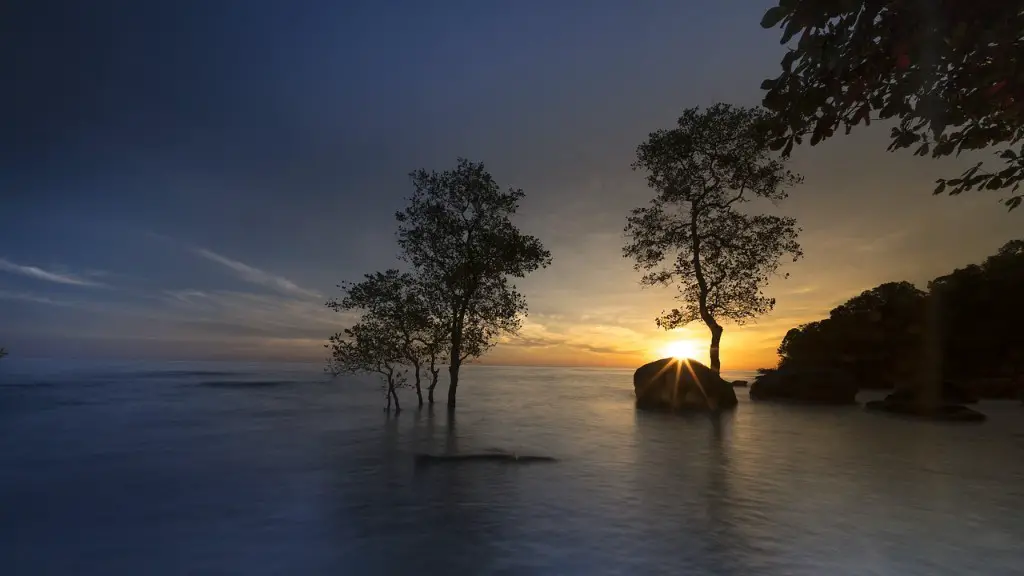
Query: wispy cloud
x,y
24,297
40,274
257,276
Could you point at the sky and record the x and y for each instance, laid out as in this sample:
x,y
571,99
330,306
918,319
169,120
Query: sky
x,y
191,180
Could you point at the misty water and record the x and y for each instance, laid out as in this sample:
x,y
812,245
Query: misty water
x,y
254,469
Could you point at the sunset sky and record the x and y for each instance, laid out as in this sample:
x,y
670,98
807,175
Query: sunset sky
x,y
191,179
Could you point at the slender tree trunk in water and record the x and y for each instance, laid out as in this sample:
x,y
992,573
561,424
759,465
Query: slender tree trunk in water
x,y
455,362
716,340
433,379
390,389
419,391
453,385
433,384
398,407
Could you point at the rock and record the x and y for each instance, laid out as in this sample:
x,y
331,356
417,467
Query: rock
x,y
909,407
679,385
812,386
952,393
739,383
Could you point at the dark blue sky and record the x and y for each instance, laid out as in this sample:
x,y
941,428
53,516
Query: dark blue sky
x,y
192,178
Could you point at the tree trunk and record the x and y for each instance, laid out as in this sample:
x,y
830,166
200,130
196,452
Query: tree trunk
x,y
455,362
433,384
433,378
716,340
702,286
390,389
419,391
398,407
453,384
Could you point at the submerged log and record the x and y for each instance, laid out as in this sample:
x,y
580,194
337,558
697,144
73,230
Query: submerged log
x,y
424,459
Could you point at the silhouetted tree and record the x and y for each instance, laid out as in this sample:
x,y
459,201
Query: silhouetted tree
x,y
458,234
950,71
887,336
399,305
980,308
373,348
692,234
3,352
875,337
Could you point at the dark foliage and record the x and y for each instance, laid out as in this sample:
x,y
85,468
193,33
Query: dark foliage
x,y
949,71
370,347
878,336
981,315
398,304
693,234
458,235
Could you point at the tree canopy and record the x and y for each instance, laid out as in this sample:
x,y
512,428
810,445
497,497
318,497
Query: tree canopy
x,y
370,346
947,70
399,305
458,298
693,235
879,336
875,337
458,235
981,308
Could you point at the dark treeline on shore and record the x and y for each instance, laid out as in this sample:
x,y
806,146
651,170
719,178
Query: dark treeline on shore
x,y
878,337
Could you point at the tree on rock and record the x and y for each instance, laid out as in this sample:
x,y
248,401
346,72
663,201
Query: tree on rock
x,y
369,347
400,306
694,235
950,72
458,234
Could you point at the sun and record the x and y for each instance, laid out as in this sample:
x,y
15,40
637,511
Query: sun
x,y
679,349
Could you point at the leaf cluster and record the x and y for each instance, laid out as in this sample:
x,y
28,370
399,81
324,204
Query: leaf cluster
x,y
949,71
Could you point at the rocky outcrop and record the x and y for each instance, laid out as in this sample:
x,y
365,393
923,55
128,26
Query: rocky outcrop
x,y
739,383
810,386
908,403
680,385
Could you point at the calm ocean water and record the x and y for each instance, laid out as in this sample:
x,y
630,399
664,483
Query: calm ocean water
x,y
208,468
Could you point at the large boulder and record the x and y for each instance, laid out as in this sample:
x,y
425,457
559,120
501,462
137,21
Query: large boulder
x,y
680,385
812,386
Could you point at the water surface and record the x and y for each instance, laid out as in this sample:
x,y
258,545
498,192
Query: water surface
x,y
271,469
